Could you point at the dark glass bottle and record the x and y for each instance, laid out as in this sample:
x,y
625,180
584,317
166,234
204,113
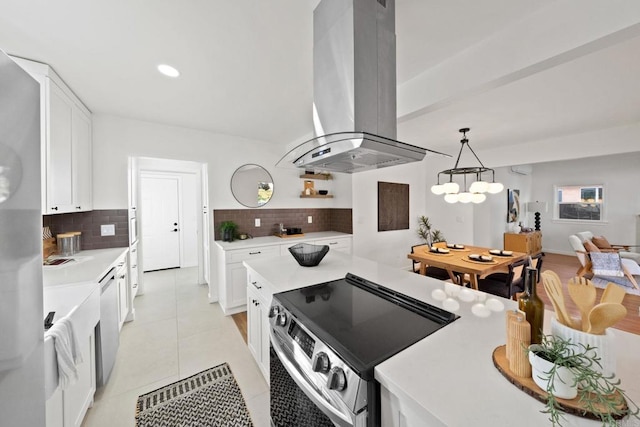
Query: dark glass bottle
x,y
531,304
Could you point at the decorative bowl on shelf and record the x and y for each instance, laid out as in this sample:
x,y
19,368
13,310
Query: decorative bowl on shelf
x,y
323,192
308,255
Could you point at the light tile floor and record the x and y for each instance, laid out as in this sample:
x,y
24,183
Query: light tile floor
x,y
176,333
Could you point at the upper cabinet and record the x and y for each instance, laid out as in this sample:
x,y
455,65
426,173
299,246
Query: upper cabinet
x,y
66,143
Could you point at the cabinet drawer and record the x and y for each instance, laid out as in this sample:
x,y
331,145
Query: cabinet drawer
x,y
342,244
261,287
240,255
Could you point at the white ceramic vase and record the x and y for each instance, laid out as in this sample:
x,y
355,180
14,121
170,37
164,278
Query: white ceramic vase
x,y
563,381
604,344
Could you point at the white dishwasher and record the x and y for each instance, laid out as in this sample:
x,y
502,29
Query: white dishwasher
x,y
107,329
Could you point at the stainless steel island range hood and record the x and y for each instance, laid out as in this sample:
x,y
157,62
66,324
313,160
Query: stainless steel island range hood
x,y
354,89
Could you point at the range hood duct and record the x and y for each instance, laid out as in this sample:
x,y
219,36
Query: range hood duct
x,y
354,89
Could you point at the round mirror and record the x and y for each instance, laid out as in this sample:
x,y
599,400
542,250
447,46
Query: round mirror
x,y
252,185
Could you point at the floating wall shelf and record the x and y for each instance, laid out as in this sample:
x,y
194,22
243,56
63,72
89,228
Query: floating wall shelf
x,y
321,176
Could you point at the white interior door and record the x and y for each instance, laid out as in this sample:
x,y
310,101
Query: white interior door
x,y
160,197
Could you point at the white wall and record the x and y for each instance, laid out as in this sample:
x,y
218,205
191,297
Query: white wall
x,y
116,138
387,247
620,175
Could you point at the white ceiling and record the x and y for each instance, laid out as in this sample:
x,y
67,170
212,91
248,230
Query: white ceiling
x,y
246,66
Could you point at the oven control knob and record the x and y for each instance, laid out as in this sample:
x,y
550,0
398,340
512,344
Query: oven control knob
x,y
337,379
320,363
274,310
281,319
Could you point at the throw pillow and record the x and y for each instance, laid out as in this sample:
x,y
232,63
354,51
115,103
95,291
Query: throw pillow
x,y
606,264
590,247
601,242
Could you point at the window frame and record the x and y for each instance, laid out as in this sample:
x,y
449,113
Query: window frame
x,y
603,204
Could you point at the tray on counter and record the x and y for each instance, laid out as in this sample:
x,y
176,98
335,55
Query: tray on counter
x,y
570,406
286,236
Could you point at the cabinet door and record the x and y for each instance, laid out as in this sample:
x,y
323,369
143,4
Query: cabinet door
x,y
81,156
237,291
133,271
78,397
258,329
59,152
265,362
123,296
254,325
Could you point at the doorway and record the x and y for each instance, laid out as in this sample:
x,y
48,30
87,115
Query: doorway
x,y
153,185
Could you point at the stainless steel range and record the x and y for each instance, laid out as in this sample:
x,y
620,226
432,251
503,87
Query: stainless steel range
x,y
326,341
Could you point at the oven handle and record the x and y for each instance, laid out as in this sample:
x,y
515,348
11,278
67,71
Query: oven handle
x,y
312,392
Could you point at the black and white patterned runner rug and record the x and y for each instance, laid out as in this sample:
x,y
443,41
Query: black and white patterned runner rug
x,y
210,398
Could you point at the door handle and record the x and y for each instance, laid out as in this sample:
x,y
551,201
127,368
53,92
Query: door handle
x,y
175,230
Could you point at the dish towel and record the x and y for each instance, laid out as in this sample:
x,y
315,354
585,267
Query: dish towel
x,y
68,352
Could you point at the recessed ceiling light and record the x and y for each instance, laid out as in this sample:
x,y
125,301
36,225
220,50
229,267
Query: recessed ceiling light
x,y
168,70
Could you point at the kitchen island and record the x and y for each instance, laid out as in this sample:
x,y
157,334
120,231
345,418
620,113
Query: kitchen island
x,y
448,378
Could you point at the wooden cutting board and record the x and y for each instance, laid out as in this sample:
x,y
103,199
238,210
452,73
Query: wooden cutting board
x,y
49,247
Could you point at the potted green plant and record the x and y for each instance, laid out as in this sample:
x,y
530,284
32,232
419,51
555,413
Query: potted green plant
x,y
426,233
228,230
567,370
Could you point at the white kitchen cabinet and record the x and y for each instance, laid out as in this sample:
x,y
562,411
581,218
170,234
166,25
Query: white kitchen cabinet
x,y
78,397
258,302
133,271
133,280
66,136
54,415
232,275
122,281
342,244
67,408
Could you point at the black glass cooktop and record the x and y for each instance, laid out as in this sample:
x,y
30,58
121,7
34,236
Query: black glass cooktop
x,y
364,323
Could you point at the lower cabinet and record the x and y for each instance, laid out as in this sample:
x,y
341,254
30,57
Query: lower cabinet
x,y
342,244
122,281
530,243
67,408
399,412
258,302
232,275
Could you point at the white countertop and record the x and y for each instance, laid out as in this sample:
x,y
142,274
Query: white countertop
x,y
450,374
274,240
69,285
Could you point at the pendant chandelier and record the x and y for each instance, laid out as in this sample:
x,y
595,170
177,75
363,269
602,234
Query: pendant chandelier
x,y
470,175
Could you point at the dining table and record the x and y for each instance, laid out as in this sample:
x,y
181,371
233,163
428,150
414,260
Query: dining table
x,y
457,260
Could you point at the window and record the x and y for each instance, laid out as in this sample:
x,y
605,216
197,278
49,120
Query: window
x,y
580,202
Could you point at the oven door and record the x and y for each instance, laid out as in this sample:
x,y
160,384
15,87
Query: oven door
x,y
296,401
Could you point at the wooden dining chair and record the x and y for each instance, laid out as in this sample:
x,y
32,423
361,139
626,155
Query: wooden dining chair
x,y
518,279
505,286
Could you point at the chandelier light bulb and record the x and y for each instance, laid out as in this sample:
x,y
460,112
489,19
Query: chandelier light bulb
x,y
495,187
451,187
437,189
479,187
451,198
478,198
465,197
